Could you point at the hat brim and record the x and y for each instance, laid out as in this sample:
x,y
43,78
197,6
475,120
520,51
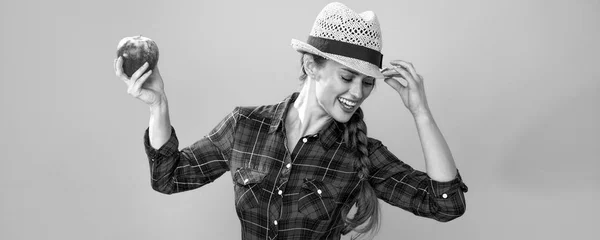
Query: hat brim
x,y
360,66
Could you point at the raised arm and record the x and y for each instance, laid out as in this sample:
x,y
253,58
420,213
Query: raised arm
x,y
160,123
173,170
400,185
439,163
438,158
436,194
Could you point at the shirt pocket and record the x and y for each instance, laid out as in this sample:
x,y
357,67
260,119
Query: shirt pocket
x,y
248,188
317,199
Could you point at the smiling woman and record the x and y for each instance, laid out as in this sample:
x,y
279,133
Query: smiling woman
x,y
299,165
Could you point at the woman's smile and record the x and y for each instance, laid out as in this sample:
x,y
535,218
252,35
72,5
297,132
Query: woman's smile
x,y
347,105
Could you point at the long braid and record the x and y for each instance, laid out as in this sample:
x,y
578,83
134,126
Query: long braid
x,y
367,203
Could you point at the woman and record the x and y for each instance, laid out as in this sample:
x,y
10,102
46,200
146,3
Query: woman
x,y
298,166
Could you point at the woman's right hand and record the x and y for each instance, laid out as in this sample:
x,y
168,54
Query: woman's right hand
x,y
148,87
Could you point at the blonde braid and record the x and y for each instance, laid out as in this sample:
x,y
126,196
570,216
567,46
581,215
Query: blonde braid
x,y
367,202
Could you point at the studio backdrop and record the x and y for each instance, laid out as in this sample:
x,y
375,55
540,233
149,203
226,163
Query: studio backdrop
x,y
513,85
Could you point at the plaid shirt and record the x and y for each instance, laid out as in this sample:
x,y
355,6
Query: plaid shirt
x,y
299,194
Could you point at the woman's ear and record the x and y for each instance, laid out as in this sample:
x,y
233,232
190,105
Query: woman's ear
x,y
309,65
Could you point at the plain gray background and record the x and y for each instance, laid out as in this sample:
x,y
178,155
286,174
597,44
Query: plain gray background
x,y
513,85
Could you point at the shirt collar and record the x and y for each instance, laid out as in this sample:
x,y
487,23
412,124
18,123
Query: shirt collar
x,y
330,133
280,112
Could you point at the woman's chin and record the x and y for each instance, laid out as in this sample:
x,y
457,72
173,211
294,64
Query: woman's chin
x,y
342,120
342,116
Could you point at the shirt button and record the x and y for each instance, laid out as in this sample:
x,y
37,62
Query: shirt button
x,y
319,191
304,140
280,192
444,195
289,165
275,222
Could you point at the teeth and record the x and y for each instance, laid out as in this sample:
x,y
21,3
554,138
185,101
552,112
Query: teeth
x,y
347,102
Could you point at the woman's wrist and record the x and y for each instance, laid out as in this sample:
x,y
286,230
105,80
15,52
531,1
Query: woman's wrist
x,y
160,106
424,114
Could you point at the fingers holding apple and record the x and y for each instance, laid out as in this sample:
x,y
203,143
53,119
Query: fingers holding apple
x,y
136,65
136,51
119,71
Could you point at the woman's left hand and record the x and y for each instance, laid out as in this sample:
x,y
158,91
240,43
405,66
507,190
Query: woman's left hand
x,y
413,94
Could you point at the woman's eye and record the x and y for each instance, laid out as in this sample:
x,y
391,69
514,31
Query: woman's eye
x,y
347,79
368,83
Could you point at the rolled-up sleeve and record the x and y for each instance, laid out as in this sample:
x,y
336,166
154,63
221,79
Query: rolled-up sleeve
x,y
173,170
400,185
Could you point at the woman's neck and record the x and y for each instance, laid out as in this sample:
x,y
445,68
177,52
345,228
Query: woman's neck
x,y
306,116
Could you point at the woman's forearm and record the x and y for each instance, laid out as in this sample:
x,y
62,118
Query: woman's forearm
x,y
438,158
160,125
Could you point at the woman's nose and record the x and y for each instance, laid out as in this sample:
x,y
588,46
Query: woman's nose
x,y
356,89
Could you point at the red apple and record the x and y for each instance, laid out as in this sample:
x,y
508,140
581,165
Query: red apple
x,y
136,51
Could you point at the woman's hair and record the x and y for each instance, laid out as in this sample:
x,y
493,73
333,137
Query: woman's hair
x,y
355,136
367,202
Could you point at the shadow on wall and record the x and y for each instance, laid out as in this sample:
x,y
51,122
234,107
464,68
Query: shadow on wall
x,y
558,146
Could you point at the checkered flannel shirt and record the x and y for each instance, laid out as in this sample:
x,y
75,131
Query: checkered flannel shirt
x,y
299,194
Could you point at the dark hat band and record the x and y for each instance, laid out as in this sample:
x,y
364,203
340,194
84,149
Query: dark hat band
x,y
346,49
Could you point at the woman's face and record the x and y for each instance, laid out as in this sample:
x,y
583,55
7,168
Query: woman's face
x,y
341,90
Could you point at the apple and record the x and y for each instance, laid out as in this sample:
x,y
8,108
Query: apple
x,y
136,51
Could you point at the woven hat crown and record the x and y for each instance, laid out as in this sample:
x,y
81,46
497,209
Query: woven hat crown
x,y
338,22
347,37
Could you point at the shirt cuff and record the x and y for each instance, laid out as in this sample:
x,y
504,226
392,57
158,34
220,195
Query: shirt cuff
x,y
447,189
167,149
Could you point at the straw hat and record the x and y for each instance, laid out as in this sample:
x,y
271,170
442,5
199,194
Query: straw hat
x,y
347,37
